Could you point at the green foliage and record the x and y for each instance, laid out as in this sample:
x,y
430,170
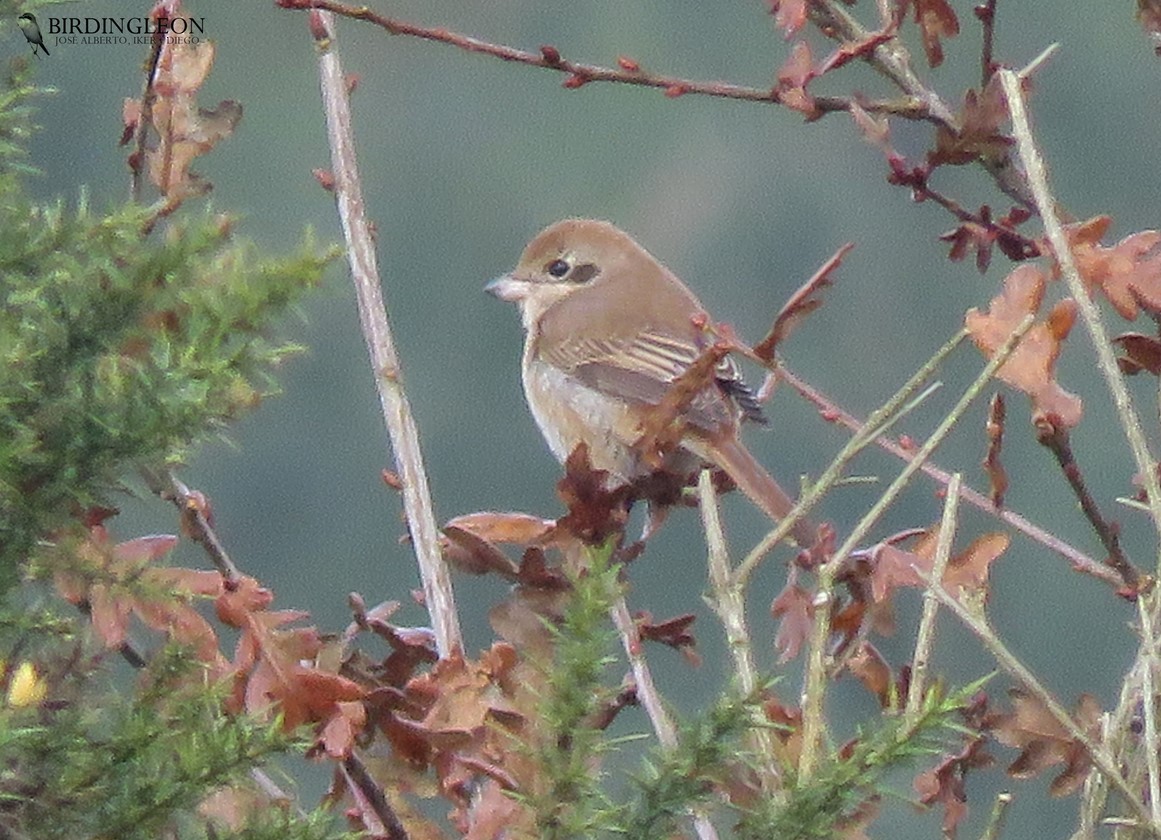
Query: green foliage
x,y
276,824
820,807
92,763
573,804
682,778
119,349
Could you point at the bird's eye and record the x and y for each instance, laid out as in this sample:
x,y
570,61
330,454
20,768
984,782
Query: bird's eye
x,y
558,268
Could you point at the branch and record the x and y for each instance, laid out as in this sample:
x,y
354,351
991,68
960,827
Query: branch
x,y
832,411
579,74
195,520
372,802
728,600
892,60
925,638
404,434
1090,315
650,697
1054,437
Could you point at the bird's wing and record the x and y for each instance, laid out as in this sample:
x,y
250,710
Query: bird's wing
x,y
640,368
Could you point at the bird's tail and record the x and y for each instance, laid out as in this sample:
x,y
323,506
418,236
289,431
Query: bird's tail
x,y
761,488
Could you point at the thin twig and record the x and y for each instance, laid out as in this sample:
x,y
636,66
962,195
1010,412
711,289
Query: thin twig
x,y
401,427
835,413
650,697
193,514
925,638
986,13
729,602
998,817
814,692
144,120
1055,438
579,73
374,805
647,692
1149,710
890,58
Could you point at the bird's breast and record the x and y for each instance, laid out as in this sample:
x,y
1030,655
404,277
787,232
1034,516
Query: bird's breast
x,y
569,413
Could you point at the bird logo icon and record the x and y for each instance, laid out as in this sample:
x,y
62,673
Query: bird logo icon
x,y
31,30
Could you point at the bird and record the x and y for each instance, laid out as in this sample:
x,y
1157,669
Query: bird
x,y
31,30
608,330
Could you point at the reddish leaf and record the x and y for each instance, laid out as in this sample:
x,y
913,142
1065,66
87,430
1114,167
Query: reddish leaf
x,y
235,606
184,130
804,301
872,670
936,20
594,511
793,77
850,50
968,237
789,15
339,733
1129,273
469,553
795,607
877,132
966,574
945,785
979,136
127,582
1044,743
1032,367
1141,352
502,527
674,632
994,429
787,722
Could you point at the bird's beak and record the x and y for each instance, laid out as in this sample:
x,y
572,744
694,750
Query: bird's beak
x,y
506,287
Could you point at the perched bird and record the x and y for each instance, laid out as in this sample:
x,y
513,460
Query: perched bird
x,y
608,329
31,30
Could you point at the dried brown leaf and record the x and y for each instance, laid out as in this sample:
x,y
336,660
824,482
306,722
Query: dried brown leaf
x,y
994,430
871,669
1129,273
1043,742
795,607
805,300
1140,352
470,553
936,21
1032,367
793,77
979,136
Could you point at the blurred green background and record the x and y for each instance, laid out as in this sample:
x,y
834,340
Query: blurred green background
x,y
464,158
